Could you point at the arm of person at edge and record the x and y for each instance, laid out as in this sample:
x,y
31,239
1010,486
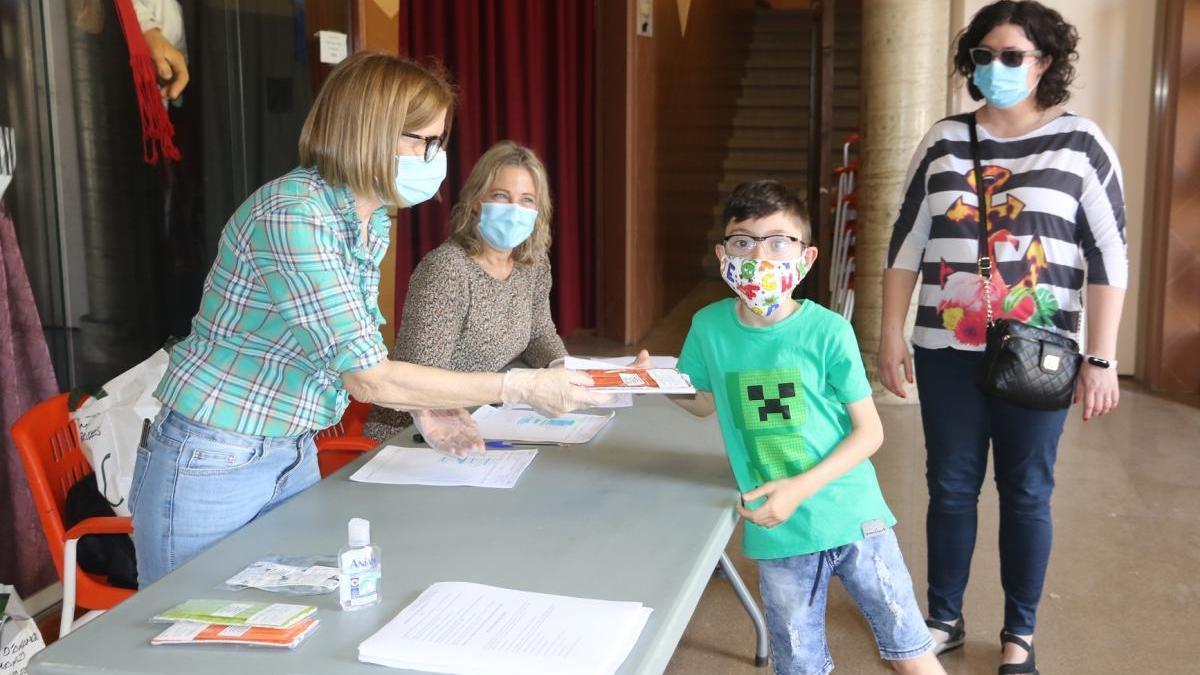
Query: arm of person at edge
x,y
1098,388
785,495
437,397
906,247
435,311
895,361
169,63
407,386
699,404
1107,274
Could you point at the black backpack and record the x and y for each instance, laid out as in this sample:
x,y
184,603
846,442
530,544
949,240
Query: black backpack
x,y
107,555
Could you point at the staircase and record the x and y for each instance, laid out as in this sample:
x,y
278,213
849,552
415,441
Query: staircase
x,y
771,125
770,136
742,117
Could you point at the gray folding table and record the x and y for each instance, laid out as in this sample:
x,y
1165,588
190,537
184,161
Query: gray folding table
x,y
641,513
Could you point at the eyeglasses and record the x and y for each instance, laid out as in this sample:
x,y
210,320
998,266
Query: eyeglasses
x,y
432,144
1012,58
778,245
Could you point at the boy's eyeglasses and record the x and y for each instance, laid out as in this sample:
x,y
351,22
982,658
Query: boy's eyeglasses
x,y
1012,58
777,245
432,144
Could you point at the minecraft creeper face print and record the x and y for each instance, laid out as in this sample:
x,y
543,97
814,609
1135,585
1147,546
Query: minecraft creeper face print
x,y
768,407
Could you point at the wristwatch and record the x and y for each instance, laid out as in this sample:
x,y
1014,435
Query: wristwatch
x,y
1101,363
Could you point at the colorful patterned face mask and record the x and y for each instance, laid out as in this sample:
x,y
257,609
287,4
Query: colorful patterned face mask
x,y
762,284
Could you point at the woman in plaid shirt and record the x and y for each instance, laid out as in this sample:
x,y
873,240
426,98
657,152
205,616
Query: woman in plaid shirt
x,y
288,325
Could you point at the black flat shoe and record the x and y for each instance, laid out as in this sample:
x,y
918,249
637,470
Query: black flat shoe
x,y
1027,667
957,632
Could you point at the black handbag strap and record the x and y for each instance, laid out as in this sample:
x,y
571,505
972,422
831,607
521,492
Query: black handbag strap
x,y
985,260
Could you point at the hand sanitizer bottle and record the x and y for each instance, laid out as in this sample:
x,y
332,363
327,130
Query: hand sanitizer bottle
x,y
360,571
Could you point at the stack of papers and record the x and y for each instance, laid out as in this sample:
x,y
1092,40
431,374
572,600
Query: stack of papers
x,y
250,623
526,426
394,465
473,629
188,633
624,380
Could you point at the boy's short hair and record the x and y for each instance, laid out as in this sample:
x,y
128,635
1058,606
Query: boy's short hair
x,y
762,198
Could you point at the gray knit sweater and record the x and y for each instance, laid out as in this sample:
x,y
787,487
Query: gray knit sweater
x,y
459,317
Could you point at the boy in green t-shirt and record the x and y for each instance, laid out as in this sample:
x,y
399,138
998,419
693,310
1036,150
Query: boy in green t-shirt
x,y
787,383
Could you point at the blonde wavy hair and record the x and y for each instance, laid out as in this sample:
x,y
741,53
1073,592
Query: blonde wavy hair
x,y
358,118
464,217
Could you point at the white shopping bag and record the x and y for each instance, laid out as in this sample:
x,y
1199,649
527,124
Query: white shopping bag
x,y
20,638
110,427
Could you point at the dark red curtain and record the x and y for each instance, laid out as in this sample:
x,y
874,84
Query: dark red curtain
x,y
524,71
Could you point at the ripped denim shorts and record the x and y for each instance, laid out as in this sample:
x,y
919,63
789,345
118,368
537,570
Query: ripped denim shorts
x,y
795,590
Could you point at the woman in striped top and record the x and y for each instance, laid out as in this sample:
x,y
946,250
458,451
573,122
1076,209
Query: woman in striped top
x,y
1056,223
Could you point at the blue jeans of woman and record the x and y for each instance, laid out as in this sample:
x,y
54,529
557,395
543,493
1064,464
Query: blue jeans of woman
x,y
194,484
960,421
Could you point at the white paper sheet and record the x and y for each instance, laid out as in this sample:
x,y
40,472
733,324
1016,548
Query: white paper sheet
x,y
395,465
625,361
182,631
526,426
332,46
472,629
670,381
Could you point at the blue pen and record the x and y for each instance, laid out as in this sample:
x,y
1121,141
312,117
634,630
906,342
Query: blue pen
x,y
417,438
498,444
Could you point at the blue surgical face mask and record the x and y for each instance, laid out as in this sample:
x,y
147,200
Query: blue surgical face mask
x,y
505,226
417,180
1001,85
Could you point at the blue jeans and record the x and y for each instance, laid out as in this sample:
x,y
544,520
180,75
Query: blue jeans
x,y
960,420
194,484
795,590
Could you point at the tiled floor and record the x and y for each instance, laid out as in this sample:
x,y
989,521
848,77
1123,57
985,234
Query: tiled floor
x,y
1123,590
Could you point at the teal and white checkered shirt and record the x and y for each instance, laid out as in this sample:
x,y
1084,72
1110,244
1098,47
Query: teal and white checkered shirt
x,y
291,303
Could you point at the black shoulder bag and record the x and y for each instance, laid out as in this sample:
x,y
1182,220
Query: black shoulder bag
x,y
1026,365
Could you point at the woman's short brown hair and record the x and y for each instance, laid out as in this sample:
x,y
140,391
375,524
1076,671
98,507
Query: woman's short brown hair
x,y
355,125
464,217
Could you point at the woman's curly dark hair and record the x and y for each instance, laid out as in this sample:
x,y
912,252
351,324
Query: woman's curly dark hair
x,y
1044,27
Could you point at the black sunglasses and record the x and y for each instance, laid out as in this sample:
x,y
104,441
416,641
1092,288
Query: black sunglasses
x,y
1012,58
432,144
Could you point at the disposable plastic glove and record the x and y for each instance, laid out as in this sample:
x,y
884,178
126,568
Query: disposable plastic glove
x,y
550,391
450,431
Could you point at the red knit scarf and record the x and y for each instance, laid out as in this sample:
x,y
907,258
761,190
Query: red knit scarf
x,y
158,133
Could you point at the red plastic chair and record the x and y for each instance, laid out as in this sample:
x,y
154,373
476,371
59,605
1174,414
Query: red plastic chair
x,y
351,424
54,461
343,442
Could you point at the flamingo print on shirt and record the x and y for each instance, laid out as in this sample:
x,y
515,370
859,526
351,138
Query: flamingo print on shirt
x,y
962,307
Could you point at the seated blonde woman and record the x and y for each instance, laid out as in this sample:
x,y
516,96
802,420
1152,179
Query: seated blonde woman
x,y
482,299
